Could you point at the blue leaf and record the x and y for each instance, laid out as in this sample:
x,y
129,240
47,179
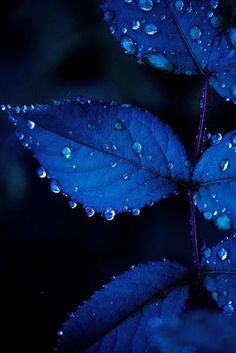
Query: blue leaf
x,y
215,175
215,334
116,318
184,37
219,271
109,158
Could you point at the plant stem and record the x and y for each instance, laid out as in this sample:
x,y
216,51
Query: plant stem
x,y
201,126
197,152
194,234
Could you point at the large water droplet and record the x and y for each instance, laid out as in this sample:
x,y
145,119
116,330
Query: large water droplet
x,y
137,147
30,124
195,33
128,45
150,28
90,212
145,5
179,5
208,215
55,187
72,204
41,171
222,254
136,211
224,165
223,222
66,152
109,214
216,138
158,61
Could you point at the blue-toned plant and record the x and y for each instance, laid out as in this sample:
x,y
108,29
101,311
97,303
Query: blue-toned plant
x,y
114,158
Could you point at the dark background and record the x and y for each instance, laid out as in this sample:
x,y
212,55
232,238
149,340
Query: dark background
x,y
52,257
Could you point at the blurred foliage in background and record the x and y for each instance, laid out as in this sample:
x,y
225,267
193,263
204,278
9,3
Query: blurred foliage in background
x,y
53,257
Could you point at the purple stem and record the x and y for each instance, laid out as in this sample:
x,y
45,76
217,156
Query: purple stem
x,y
204,106
194,236
197,152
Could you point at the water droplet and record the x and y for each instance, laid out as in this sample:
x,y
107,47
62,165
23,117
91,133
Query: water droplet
x,y
66,152
113,164
179,5
228,309
118,126
55,187
145,5
109,214
223,222
41,171
72,204
30,124
195,33
150,28
224,165
208,215
216,138
222,254
207,252
158,61
90,212
136,211
19,135
60,333
128,45
215,295
135,25
137,147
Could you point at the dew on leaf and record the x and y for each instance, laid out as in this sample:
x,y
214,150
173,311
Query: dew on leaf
x,y
90,212
195,33
145,5
223,222
30,124
136,211
150,28
55,187
222,254
216,138
137,147
66,152
228,309
128,45
72,204
109,214
224,165
158,61
179,5
41,171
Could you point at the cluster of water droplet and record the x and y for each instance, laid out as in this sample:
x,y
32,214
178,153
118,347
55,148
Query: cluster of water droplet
x,y
222,297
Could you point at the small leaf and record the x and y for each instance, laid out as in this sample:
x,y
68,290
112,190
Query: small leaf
x,y
219,271
109,158
117,317
184,37
215,334
215,176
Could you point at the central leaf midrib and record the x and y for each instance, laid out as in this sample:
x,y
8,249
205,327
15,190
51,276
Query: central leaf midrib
x,y
112,154
183,37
